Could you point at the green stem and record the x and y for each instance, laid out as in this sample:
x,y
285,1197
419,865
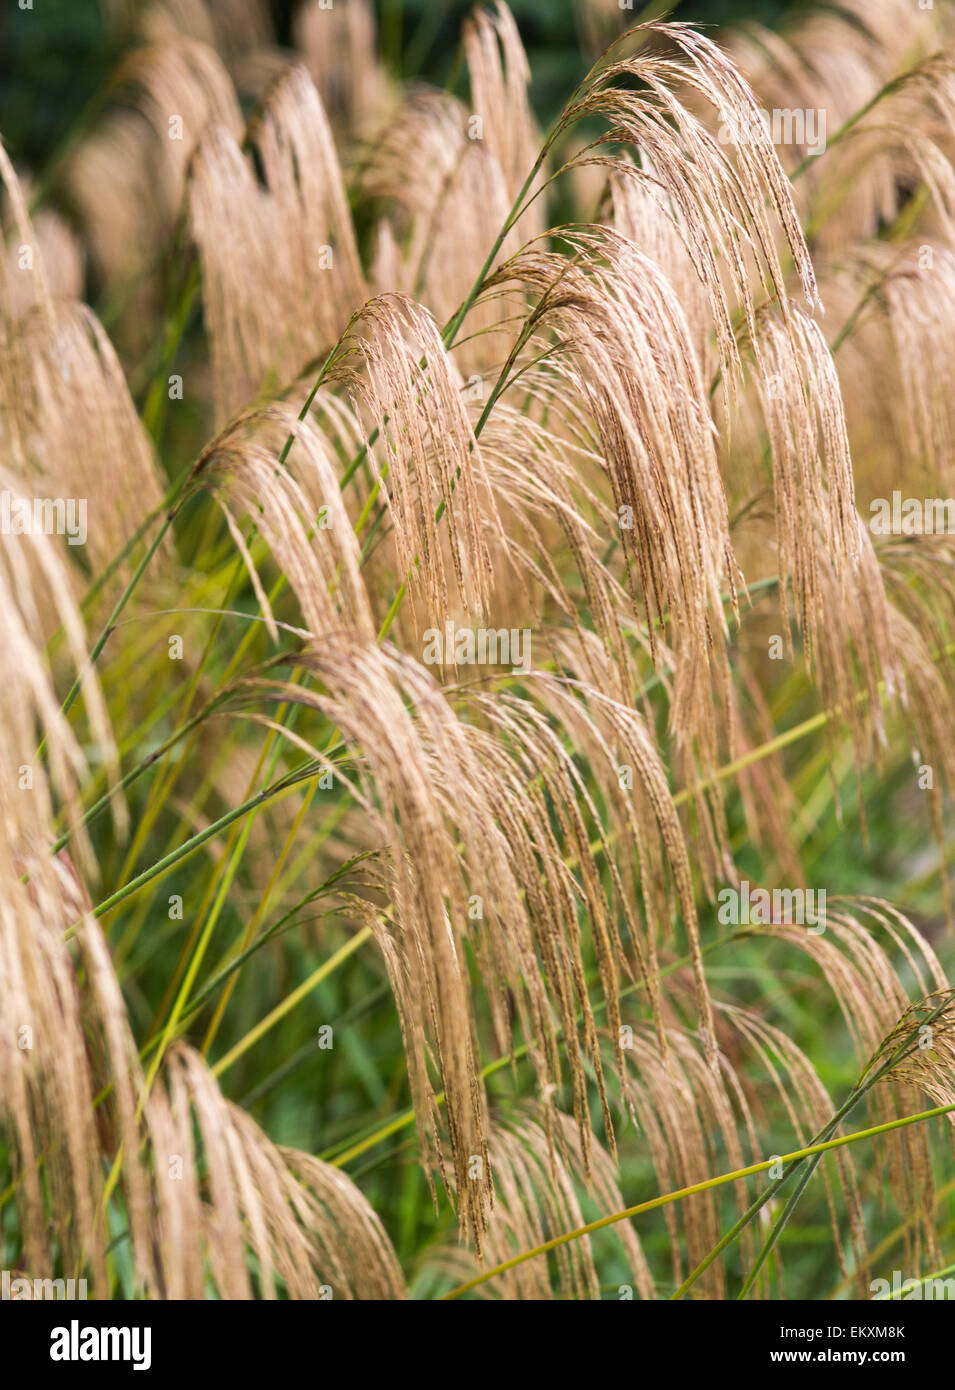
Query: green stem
x,y
290,1000
907,1288
121,603
864,1085
134,774
707,1186
904,1049
169,861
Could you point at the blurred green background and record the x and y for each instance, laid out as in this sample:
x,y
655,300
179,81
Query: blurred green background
x,y
55,56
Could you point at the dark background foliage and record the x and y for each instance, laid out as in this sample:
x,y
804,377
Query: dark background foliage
x,y
56,55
